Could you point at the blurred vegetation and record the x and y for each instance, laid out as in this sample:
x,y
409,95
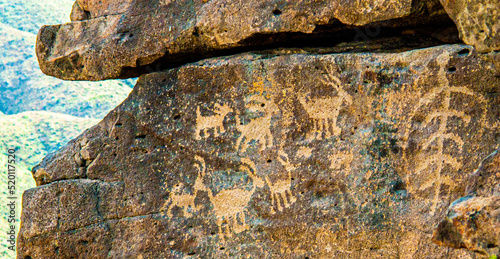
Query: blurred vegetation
x,y
40,114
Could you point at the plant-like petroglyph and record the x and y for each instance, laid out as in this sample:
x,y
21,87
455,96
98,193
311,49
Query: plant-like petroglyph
x,y
281,193
258,129
215,122
324,111
435,158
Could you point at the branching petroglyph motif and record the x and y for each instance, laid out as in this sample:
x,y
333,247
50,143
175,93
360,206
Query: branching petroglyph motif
x,y
281,193
215,122
324,111
435,143
259,127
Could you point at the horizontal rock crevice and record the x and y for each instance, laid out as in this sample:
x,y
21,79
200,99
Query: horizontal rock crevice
x,y
101,48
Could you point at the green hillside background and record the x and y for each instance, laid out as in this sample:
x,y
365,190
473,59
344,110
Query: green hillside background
x,y
40,114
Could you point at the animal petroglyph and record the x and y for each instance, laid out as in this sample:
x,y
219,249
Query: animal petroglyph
x,y
324,111
183,201
215,122
186,201
259,127
281,194
229,205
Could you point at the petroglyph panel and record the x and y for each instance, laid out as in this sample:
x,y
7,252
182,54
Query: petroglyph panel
x,y
347,155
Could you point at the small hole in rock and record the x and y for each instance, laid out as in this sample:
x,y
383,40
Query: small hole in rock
x,y
191,253
277,12
464,52
118,124
196,32
262,105
293,179
164,80
222,248
452,69
27,257
491,245
141,136
147,108
131,35
269,161
176,117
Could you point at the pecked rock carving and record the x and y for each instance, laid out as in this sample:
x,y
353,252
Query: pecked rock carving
x,y
273,154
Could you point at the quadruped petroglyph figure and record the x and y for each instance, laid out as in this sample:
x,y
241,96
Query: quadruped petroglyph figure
x,y
181,200
324,111
229,205
215,122
281,193
185,201
258,129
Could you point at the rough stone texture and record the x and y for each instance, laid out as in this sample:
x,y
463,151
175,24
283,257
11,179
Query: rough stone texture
x,y
478,22
282,154
473,221
119,39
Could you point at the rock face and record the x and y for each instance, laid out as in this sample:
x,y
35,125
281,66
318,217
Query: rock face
x,y
272,154
473,221
120,39
478,22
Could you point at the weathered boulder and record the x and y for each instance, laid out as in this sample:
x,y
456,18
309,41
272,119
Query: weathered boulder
x,y
478,22
120,39
273,154
473,221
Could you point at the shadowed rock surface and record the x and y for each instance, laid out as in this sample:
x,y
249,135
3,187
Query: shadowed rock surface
x,y
473,221
272,154
121,39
